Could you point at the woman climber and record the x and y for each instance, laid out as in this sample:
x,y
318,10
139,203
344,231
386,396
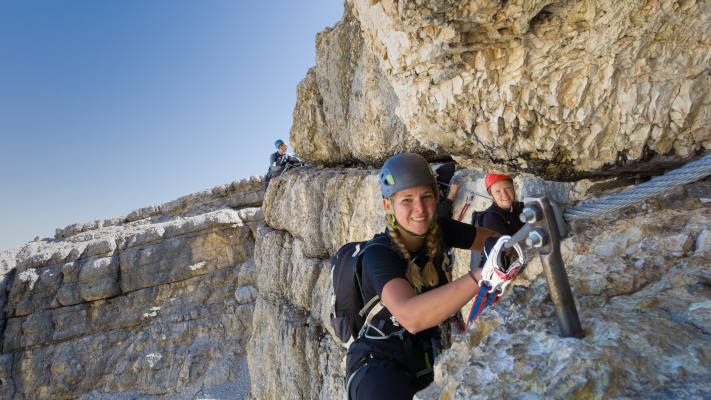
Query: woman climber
x,y
503,215
393,356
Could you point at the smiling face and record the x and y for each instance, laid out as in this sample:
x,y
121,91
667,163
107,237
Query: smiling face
x,y
282,149
503,193
414,208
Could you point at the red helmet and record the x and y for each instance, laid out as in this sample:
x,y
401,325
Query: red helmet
x,y
493,178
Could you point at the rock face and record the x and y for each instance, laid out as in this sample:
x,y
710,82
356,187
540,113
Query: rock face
x,y
135,306
640,278
170,306
641,281
290,349
559,89
345,108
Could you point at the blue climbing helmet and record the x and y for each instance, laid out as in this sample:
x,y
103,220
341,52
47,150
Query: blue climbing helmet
x,y
405,171
278,143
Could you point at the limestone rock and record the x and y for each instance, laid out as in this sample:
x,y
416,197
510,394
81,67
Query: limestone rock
x,y
134,308
289,348
345,107
703,242
245,294
240,194
559,89
248,273
325,208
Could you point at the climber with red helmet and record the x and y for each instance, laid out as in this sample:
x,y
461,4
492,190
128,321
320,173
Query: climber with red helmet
x,y
393,355
503,215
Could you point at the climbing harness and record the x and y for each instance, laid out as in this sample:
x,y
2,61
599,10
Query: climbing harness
x,y
498,272
368,324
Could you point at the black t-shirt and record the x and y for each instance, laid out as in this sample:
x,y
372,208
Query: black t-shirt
x,y
382,264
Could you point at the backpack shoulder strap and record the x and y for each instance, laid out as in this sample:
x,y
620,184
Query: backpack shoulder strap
x,y
376,309
478,218
376,298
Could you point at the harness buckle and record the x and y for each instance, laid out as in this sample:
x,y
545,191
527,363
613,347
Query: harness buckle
x,y
400,334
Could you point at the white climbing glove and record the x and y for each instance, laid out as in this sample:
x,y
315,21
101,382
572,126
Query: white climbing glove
x,y
499,270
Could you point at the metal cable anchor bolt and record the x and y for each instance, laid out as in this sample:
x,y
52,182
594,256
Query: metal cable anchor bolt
x,y
530,214
537,238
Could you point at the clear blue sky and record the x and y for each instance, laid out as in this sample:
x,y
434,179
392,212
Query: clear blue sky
x,y
109,106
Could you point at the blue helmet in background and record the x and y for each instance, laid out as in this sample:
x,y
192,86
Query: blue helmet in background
x,y
278,143
405,171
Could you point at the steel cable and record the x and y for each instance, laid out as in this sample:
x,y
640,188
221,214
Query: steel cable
x,y
690,172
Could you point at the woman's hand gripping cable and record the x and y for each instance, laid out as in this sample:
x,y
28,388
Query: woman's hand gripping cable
x,y
502,265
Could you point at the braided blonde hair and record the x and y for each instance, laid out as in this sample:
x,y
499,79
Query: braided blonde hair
x,y
428,277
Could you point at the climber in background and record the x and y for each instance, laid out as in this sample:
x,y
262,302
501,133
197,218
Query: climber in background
x,y
393,356
279,162
447,189
503,215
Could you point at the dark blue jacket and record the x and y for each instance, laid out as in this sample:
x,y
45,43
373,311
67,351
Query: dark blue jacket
x,y
505,222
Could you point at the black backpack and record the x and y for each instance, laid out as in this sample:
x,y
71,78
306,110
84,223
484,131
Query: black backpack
x,y
349,310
